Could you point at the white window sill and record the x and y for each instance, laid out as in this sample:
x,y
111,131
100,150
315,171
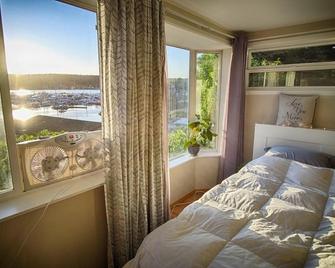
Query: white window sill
x,y
40,197
187,157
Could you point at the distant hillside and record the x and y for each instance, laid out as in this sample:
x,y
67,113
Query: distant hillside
x,y
53,81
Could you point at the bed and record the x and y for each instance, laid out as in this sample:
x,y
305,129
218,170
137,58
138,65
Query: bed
x,y
274,212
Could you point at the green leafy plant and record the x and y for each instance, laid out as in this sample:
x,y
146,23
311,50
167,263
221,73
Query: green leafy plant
x,y
259,61
207,81
200,133
177,138
4,166
37,135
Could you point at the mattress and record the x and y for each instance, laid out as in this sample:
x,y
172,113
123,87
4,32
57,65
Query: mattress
x,y
273,213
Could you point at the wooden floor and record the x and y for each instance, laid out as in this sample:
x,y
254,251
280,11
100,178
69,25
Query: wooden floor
x,y
178,206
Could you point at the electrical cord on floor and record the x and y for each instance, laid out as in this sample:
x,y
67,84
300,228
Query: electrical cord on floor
x,y
25,240
189,202
200,192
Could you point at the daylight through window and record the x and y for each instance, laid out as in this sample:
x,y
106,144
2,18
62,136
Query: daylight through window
x,y
294,67
207,87
52,63
178,88
5,175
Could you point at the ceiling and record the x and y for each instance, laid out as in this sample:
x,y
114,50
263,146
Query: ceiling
x,y
252,16
179,37
258,15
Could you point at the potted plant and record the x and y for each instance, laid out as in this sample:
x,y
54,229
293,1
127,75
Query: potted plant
x,y
200,134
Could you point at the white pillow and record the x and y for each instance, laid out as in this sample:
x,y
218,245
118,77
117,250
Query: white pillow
x,y
296,110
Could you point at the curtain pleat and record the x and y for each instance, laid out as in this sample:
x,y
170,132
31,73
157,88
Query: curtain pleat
x,y
232,146
132,66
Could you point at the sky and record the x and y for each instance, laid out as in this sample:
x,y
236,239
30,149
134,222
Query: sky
x,y
178,62
46,36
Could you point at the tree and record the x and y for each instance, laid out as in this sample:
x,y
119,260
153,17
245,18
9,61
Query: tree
x,y
177,139
207,74
4,166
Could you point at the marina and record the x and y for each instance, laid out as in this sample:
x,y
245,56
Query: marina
x,y
79,104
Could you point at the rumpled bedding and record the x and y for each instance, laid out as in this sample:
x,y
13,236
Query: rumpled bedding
x,y
273,213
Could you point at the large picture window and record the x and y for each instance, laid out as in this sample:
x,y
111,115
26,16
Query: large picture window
x,y
178,88
52,62
52,86
312,66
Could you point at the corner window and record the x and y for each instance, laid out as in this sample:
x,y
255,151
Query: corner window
x,y
201,95
296,67
178,88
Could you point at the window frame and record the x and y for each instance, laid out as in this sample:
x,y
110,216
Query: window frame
x,y
18,189
17,180
189,92
218,94
192,100
287,67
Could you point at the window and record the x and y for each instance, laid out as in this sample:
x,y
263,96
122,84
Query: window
x,y
51,53
52,62
324,53
200,97
293,78
178,88
207,83
5,175
295,67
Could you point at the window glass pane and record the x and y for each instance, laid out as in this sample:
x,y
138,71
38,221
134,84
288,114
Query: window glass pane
x,y
293,78
207,87
5,175
52,61
315,78
178,87
256,80
324,53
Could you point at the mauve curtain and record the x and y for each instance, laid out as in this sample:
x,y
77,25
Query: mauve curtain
x,y
132,66
232,150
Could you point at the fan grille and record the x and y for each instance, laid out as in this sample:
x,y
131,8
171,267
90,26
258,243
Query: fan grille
x,y
49,163
89,155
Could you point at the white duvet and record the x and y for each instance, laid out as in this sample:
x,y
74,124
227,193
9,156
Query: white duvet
x,y
273,213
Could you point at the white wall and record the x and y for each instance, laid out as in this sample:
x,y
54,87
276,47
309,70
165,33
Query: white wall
x,y
206,172
72,233
192,173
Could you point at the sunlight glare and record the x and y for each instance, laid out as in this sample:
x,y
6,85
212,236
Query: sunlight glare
x,y
22,92
23,114
29,57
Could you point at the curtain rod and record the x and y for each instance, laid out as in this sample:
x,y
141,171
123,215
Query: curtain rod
x,y
173,13
81,3
195,20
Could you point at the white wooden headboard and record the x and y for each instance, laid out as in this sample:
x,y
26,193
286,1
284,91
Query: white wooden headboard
x,y
313,139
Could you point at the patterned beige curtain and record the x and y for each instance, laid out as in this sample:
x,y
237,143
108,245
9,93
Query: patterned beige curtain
x,y
132,65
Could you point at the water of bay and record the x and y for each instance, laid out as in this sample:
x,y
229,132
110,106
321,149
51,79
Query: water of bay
x,y
89,113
